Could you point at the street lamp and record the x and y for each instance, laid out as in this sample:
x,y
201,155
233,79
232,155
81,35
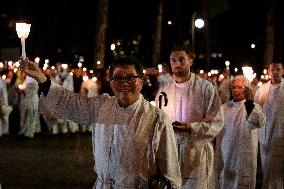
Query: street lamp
x,y
199,23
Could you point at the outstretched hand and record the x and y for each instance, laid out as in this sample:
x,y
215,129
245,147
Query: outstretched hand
x,y
32,69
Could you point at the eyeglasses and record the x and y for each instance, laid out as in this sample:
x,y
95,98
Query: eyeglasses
x,y
237,87
127,79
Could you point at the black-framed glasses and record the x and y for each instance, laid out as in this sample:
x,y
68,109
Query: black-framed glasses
x,y
128,79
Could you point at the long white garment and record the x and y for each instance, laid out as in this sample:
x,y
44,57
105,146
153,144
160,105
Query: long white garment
x,y
197,103
271,137
128,150
30,106
6,109
236,152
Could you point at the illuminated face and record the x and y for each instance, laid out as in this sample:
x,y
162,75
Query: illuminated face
x,y
275,71
238,90
126,85
180,63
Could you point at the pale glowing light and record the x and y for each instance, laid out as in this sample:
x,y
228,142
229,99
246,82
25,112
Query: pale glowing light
x,y
52,67
94,79
91,71
1,65
221,76
265,71
259,84
98,62
17,64
85,78
201,71
37,59
144,71
199,23
64,66
10,63
112,47
262,76
248,72
84,69
236,69
118,43
227,63
170,22
15,70
46,61
23,31
4,77
79,64
252,46
209,74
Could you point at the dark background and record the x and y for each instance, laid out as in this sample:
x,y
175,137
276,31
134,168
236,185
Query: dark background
x,y
64,30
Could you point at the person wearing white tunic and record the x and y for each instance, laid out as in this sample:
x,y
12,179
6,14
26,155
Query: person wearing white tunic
x,y
132,139
30,108
5,109
271,137
237,144
195,107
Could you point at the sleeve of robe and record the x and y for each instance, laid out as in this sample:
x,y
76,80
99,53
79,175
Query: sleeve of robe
x,y
213,118
166,152
256,118
64,104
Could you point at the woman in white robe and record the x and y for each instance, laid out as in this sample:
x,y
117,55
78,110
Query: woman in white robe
x,y
237,147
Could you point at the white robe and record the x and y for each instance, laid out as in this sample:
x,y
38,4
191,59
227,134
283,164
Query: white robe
x,y
271,137
197,103
236,153
130,145
6,109
30,108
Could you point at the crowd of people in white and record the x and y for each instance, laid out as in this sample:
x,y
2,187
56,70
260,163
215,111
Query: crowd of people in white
x,y
218,125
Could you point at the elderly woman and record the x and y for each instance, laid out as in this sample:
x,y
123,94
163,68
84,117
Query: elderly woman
x,y
237,144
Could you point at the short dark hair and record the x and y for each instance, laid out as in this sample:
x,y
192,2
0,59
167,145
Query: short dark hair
x,y
127,61
190,53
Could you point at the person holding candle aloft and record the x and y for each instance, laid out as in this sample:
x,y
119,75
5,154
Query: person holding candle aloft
x,y
132,139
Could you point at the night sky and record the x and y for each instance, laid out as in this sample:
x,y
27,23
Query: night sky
x,y
62,29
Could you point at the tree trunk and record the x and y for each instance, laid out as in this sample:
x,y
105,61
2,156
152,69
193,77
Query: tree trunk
x,y
157,37
270,34
100,36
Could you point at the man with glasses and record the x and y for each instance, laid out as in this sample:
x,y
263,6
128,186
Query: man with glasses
x,y
195,107
132,140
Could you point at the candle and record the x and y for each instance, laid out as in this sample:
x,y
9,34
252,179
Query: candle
x,y
23,31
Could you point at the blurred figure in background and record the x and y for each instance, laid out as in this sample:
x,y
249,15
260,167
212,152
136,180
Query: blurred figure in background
x,y
30,108
271,137
5,109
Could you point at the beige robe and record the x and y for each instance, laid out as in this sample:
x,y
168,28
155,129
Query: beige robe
x,y
130,145
271,136
199,106
236,153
